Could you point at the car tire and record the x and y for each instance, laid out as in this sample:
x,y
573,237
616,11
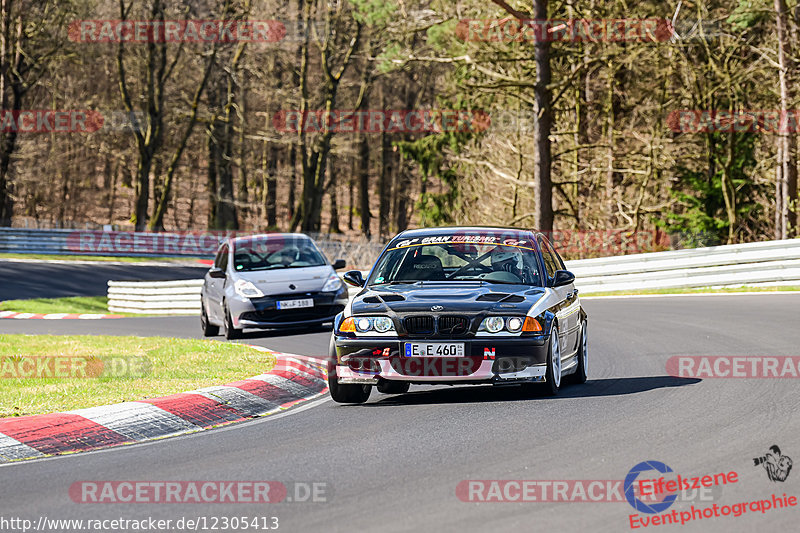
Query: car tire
x,y
553,373
344,393
209,330
580,375
393,387
231,333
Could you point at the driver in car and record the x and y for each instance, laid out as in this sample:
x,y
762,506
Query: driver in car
x,y
507,261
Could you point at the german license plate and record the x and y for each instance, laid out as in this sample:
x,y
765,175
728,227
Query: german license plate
x,y
296,304
439,349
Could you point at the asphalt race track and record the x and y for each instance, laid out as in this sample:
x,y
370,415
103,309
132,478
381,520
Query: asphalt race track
x,y
394,463
59,280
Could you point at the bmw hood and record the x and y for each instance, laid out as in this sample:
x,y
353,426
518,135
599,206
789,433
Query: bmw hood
x,y
447,298
288,280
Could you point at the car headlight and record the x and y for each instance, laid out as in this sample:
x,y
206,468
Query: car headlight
x,y
382,324
514,324
333,284
364,324
494,324
247,289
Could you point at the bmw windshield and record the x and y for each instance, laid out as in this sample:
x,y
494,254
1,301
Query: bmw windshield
x,y
412,262
275,253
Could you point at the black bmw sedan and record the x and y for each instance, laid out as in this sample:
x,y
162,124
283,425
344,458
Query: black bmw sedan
x,y
459,305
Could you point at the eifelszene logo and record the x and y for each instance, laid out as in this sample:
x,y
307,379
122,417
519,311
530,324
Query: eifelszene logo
x,y
777,466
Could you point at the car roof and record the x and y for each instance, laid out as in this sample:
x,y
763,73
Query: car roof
x,y
268,236
475,230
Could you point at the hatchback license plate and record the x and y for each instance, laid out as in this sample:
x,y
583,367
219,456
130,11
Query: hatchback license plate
x,y
296,304
423,349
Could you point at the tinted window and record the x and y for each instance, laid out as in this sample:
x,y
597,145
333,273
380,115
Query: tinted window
x,y
221,260
276,252
462,260
549,256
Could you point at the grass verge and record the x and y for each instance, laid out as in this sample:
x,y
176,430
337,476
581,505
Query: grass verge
x,y
100,258
76,304
694,291
133,368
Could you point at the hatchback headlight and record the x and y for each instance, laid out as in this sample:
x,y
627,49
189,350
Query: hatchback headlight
x,y
333,284
247,289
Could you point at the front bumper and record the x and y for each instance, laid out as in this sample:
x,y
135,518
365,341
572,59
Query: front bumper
x,y
264,313
487,360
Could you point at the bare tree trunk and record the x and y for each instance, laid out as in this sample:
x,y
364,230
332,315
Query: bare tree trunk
x,y
333,191
211,181
789,158
292,200
112,193
149,137
271,186
384,183
728,190
363,185
11,61
222,92
402,197
543,184
6,147
351,207
780,207
243,195
314,153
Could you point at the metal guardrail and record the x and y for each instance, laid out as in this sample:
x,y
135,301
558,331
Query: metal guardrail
x,y
155,297
114,244
202,245
753,264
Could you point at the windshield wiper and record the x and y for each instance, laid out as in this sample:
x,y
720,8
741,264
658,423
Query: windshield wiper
x,y
495,281
277,267
268,267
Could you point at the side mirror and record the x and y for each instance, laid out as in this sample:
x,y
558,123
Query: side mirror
x,y
217,273
339,264
563,277
354,278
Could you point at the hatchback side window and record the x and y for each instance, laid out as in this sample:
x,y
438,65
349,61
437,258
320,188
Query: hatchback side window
x,y
221,261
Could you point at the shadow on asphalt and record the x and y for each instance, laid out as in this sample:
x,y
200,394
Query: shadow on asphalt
x,y
483,394
288,332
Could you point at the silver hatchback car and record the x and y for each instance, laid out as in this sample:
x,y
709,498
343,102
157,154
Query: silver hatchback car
x,y
270,281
